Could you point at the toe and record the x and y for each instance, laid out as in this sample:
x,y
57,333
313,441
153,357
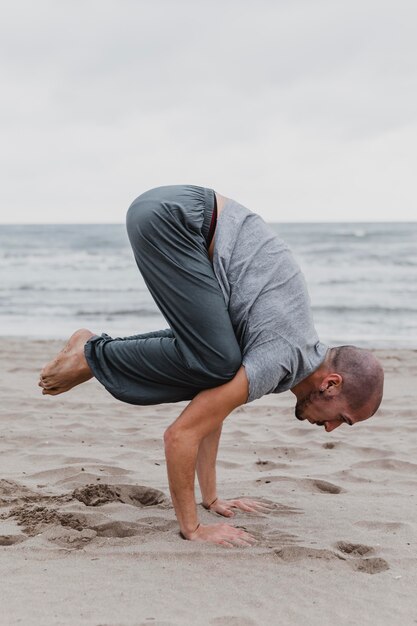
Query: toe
x,y
45,384
54,391
50,391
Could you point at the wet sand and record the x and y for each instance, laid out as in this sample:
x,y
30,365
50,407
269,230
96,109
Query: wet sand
x,y
88,534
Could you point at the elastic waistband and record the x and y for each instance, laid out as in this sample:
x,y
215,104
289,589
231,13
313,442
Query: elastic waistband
x,y
210,215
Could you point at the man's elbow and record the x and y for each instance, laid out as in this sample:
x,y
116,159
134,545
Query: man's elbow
x,y
179,442
170,437
174,436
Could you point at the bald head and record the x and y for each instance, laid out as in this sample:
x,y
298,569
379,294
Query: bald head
x,y
362,373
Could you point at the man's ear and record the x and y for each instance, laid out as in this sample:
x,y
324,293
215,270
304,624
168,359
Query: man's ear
x,y
331,384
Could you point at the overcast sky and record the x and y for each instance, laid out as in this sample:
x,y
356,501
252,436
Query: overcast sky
x,y
298,109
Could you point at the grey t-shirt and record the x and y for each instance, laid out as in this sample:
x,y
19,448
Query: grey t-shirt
x,y
268,302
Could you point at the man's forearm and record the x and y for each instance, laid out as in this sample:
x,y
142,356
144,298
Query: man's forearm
x,y
206,466
203,416
181,456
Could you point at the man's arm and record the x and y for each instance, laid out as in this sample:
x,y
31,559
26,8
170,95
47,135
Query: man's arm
x,y
206,466
204,415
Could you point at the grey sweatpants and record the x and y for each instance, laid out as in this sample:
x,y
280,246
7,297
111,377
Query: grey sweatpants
x,y
168,229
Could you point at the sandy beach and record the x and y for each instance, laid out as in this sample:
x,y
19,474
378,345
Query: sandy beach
x,y
88,534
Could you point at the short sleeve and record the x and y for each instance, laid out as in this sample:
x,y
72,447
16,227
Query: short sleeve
x,y
265,369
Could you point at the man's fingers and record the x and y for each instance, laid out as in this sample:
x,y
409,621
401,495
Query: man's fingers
x,y
247,538
224,535
250,506
262,507
245,507
239,536
242,543
227,508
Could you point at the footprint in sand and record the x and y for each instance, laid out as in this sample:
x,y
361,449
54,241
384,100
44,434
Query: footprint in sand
x,y
313,485
373,565
267,466
354,549
368,565
329,445
143,528
11,540
136,495
117,529
69,537
322,486
300,553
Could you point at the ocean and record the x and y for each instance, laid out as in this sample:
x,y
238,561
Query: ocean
x,y
362,280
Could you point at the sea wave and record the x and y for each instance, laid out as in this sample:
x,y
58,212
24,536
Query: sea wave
x,y
364,310
361,278
56,289
143,312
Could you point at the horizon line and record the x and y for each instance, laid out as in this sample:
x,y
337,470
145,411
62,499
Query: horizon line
x,y
388,221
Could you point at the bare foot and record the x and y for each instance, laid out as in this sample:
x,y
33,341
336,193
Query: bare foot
x,y
69,368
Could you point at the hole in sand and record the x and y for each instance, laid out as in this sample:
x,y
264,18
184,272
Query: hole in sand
x,y
325,487
299,553
136,495
369,566
33,518
10,540
117,529
355,549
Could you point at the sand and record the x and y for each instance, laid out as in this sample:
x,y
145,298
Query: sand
x,y
88,534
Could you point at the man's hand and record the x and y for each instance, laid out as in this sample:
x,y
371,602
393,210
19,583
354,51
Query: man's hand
x,y
222,535
225,507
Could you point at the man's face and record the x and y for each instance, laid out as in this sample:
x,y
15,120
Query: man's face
x,y
329,412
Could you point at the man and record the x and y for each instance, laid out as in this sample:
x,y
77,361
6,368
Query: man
x,y
240,327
